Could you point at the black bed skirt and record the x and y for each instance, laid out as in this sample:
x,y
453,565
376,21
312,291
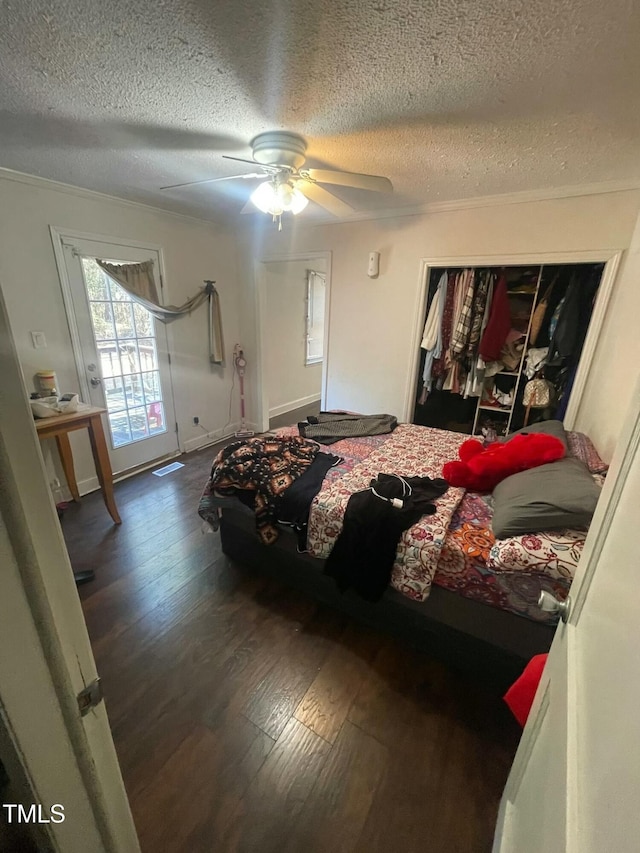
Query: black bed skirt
x,y
465,634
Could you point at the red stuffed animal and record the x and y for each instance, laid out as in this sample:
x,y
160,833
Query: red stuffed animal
x,y
481,469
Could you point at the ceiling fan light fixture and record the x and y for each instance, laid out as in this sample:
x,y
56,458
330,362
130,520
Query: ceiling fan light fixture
x,y
298,201
265,198
277,198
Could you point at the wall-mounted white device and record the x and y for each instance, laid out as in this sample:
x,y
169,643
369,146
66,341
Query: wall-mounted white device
x,y
374,264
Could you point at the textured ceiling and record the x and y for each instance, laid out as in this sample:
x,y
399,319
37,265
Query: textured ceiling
x,y
450,99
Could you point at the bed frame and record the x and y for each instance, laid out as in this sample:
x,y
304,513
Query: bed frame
x,y
466,634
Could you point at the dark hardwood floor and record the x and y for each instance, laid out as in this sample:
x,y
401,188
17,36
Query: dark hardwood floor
x,y
294,416
247,718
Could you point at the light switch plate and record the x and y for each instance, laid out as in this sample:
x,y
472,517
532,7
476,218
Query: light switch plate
x,y
39,340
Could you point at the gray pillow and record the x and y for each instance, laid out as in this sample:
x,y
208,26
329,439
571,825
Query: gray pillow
x,y
559,494
548,427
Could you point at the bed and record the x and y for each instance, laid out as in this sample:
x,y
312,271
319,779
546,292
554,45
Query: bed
x,y
454,587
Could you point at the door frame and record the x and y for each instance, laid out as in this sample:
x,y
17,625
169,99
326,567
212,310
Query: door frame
x,y
65,758
611,259
58,235
262,396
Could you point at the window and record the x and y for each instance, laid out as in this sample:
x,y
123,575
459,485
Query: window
x,y
316,286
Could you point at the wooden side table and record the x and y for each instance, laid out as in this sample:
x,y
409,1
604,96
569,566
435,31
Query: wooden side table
x,y
59,427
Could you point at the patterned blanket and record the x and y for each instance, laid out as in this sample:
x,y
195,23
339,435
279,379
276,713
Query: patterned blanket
x,y
267,466
409,451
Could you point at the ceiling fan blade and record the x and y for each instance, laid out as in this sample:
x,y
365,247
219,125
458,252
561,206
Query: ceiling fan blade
x,y
267,168
350,179
250,176
326,199
239,159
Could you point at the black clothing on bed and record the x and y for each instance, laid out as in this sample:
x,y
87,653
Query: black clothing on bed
x,y
295,501
329,427
363,555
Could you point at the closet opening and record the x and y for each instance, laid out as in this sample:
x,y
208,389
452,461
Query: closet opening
x,y
501,345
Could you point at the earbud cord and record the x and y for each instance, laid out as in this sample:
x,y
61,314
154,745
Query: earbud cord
x,y
406,492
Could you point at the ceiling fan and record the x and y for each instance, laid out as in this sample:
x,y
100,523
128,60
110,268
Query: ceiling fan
x,y
286,186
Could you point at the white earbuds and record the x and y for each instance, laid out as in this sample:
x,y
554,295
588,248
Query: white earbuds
x,y
396,503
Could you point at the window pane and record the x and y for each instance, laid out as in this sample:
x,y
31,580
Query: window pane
x,y
114,394
120,431
151,383
316,286
138,423
102,319
133,390
314,348
118,294
123,316
148,356
144,321
155,413
129,357
109,358
96,281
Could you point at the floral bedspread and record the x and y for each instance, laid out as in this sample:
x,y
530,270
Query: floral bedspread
x,y
506,573
455,548
409,450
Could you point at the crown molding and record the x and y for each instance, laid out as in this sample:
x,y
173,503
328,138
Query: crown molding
x,y
82,192
521,197
524,196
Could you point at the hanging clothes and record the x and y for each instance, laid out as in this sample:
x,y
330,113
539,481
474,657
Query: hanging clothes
x,y
565,333
499,324
440,365
432,337
432,324
479,302
450,363
462,330
475,379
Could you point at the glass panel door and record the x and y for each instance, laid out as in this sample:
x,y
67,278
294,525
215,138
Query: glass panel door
x,y
126,345
122,355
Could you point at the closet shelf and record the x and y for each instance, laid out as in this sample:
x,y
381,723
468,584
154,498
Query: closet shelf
x,y
495,408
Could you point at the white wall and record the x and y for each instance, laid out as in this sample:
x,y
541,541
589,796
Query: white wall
x,y
193,251
616,365
371,320
289,382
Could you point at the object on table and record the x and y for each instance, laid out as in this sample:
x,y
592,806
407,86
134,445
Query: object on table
x,y
46,383
46,407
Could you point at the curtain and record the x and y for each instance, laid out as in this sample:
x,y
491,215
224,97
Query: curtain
x,y
139,282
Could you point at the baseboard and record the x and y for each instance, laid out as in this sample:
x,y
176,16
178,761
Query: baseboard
x,y
215,435
91,484
294,404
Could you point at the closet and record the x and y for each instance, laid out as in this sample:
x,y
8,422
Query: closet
x,y
501,345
